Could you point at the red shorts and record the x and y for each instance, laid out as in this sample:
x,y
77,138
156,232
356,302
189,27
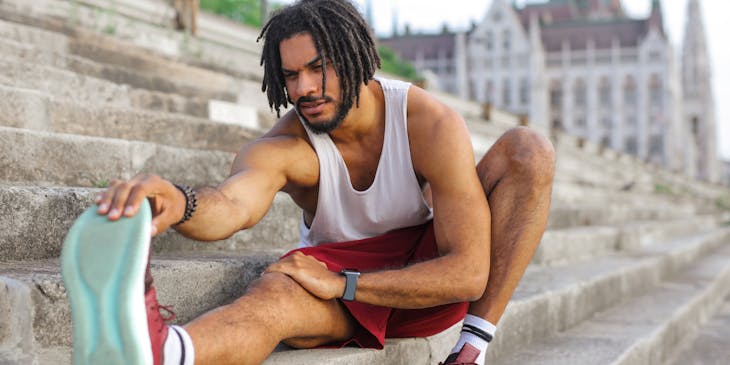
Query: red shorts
x,y
392,250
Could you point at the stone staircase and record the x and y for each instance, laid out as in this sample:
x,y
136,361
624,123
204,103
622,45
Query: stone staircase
x,y
633,269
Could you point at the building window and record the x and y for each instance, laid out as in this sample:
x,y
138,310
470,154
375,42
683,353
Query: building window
x,y
524,91
695,126
655,90
556,95
490,41
606,122
630,91
580,122
604,92
656,146
506,40
490,91
579,93
631,146
507,92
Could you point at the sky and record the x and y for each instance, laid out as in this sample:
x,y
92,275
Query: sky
x,y
459,14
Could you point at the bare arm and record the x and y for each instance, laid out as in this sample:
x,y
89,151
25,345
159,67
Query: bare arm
x,y
260,169
442,153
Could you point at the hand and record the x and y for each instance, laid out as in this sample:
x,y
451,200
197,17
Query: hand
x,y
311,274
125,197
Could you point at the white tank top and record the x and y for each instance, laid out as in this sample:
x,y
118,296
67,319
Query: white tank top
x,y
393,201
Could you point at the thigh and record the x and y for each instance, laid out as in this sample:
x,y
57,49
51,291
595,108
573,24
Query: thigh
x,y
274,308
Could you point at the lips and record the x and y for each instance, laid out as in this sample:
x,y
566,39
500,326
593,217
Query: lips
x,y
312,107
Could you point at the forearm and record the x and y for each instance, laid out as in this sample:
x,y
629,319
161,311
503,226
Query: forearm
x,y
216,217
430,283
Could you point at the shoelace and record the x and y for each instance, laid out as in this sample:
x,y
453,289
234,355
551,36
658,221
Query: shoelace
x,y
160,319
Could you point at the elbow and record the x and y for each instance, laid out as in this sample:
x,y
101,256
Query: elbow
x,y
475,282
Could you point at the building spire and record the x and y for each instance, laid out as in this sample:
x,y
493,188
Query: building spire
x,y
699,103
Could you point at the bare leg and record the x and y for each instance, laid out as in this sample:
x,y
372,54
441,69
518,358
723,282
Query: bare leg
x,y
275,309
517,175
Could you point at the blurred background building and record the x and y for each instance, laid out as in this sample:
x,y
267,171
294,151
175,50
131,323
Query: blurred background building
x,y
587,68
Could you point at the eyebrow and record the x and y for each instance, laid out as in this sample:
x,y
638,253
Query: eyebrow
x,y
309,64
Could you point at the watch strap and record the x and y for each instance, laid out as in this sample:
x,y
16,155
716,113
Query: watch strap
x,y
351,277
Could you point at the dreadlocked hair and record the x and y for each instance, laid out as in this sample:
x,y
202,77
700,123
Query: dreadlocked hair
x,y
341,36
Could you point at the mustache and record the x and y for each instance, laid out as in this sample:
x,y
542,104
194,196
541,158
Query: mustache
x,y
310,99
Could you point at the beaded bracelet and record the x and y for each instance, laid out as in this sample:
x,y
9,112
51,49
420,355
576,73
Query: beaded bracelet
x,y
191,202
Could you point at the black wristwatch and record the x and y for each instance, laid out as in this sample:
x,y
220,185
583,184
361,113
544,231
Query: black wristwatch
x,y
351,276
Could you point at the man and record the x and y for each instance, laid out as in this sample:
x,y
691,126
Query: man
x,y
186,15
385,175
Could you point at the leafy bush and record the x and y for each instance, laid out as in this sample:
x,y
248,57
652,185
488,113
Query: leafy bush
x,y
394,65
243,11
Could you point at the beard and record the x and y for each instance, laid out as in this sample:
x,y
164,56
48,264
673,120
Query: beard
x,y
327,126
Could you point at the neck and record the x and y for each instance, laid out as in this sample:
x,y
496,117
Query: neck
x,y
363,118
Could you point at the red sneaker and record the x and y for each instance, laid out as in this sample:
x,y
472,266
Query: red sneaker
x,y
115,313
466,356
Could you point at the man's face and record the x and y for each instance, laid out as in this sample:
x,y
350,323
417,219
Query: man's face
x,y
302,69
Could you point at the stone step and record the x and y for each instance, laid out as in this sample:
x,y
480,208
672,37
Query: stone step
x,y
193,284
43,158
27,239
608,213
568,245
550,299
571,193
710,346
77,78
148,32
121,62
641,330
34,221
21,73
28,109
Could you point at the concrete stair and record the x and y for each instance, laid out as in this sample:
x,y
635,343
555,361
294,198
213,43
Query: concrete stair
x,y
634,262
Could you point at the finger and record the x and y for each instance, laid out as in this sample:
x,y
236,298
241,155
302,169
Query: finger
x,y
136,195
104,199
119,201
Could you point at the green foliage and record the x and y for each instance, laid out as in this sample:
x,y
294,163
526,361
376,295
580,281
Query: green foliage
x,y
243,11
723,203
101,184
662,189
394,65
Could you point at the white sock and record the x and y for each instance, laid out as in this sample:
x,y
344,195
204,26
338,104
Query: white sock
x,y
178,348
473,339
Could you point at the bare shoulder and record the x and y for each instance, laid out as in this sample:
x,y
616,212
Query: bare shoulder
x,y
283,150
435,130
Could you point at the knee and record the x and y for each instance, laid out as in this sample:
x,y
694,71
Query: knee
x,y
528,155
275,285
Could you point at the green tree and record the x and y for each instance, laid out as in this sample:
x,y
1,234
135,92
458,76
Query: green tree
x,y
243,11
394,65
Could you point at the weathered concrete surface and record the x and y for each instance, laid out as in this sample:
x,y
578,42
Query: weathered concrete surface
x,y
640,331
552,299
710,347
22,108
62,159
34,221
193,284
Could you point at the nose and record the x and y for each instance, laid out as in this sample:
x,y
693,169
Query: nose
x,y
307,83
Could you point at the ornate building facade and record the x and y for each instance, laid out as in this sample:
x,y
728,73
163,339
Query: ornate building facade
x,y
585,67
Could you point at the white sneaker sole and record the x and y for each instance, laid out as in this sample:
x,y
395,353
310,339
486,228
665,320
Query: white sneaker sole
x,y
103,265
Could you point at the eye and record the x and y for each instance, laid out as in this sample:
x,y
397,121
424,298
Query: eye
x,y
289,75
